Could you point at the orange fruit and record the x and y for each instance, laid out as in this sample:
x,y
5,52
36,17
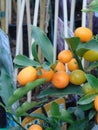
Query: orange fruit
x,y
27,74
77,77
60,79
72,65
35,127
60,66
84,33
48,74
65,56
96,103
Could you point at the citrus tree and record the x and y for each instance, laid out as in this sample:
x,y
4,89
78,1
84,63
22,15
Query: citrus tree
x,y
34,73
78,81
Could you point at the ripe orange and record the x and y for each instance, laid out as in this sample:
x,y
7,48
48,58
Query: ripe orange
x,y
77,77
72,65
60,66
48,74
65,56
35,127
84,33
28,74
96,103
60,79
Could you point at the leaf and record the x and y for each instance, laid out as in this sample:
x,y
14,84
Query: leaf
x,y
6,86
25,107
34,52
79,124
73,42
87,99
79,113
70,89
92,114
43,41
22,60
92,66
93,81
20,92
55,112
39,116
66,116
86,106
91,45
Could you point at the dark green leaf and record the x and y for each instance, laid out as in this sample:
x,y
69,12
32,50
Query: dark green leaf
x,y
70,89
44,43
92,66
93,81
73,42
22,60
55,112
34,52
79,113
79,125
92,114
87,99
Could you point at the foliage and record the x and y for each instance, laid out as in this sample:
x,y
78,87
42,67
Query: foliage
x,y
92,6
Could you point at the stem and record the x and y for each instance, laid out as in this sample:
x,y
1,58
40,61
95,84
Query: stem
x,y
17,123
78,60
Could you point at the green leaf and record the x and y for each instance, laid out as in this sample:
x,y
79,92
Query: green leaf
x,y
73,42
93,81
83,47
25,107
70,89
93,3
55,112
91,114
87,99
79,113
6,86
87,106
79,124
20,92
22,60
43,41
34,51
66,116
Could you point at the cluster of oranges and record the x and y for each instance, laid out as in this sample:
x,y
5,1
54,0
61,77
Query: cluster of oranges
x,y
58,76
